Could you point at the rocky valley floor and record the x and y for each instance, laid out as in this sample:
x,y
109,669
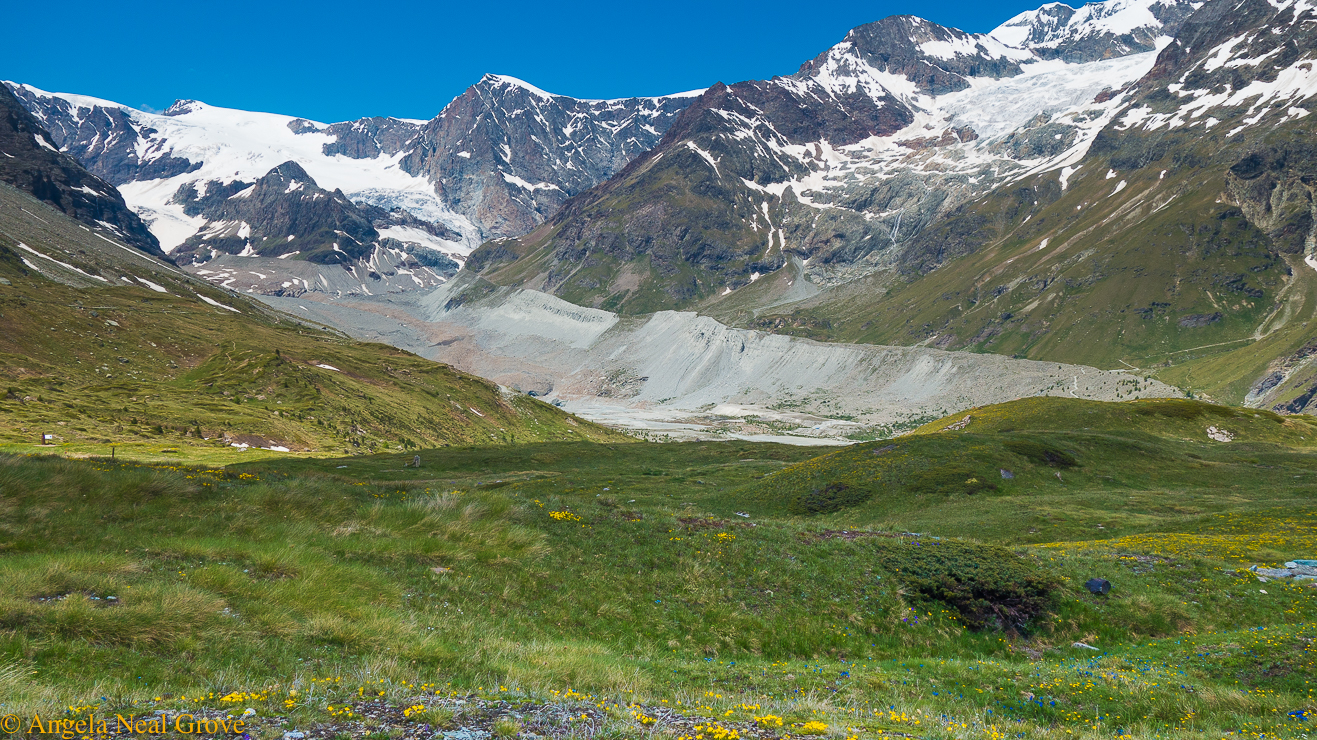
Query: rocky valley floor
x,y
677,375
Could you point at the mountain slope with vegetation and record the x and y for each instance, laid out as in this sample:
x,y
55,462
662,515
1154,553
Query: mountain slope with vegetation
x,y
1180,245
104,344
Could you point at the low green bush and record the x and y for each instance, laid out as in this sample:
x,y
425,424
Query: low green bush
x,y
991,587
1181,408
834,496
1041,454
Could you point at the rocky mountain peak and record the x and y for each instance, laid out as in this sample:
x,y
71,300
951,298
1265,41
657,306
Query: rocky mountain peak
x,y
183,107
936,59
507,83
288,172
283,214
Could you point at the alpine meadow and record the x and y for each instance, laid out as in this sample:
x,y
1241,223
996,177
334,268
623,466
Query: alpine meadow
x,y
955,385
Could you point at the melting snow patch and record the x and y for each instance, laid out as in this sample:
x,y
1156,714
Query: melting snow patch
x,y
152,286
707,156
524,185
1110,174
477,413
1119,187
216,303
1066,172
65,265
328,367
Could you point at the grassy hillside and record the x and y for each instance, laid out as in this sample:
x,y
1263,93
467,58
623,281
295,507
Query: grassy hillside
x,y
575,589
106,346
1079,470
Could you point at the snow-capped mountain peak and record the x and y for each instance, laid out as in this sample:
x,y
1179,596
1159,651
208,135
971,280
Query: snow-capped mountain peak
x,y
492,80
1097,30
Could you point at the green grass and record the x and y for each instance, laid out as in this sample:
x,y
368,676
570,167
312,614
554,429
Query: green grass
x,y
649,595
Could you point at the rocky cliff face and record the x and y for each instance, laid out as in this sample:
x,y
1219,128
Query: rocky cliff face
x,y
30,161
283,214
840,165
506,154
275,236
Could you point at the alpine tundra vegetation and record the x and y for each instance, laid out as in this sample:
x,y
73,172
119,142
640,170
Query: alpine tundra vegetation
x,y
981,365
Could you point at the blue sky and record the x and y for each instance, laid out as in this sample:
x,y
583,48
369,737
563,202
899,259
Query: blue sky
x,y
332,61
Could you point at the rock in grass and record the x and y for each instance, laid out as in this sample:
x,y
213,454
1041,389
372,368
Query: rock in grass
x,y
1099,586
1274,572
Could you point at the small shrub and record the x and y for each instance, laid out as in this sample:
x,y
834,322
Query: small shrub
x,y
1041,454
990,586
832,497
1183,409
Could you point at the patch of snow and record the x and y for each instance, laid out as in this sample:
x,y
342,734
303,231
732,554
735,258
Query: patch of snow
x,y
707,156
65,265
1066,172
153,286
216,303
513,179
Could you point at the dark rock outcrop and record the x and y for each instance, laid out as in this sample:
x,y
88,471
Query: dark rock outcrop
x,y
283,213
31,162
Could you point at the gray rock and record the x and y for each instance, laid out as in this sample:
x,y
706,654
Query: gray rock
x,y
1274,572
466,733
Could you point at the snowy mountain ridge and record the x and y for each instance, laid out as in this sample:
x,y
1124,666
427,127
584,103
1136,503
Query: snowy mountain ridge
x,y
480,188
1096,30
